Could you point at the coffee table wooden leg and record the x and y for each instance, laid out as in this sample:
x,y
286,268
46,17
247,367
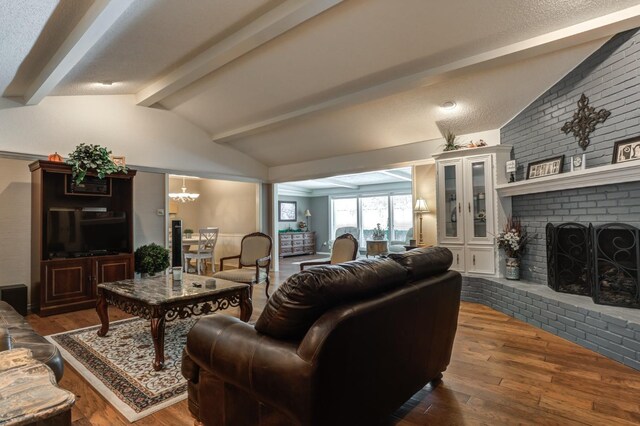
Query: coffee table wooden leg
x,y
103,314
157,333
246,305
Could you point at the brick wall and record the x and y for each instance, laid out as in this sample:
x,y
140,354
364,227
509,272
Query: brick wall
x,y
610,79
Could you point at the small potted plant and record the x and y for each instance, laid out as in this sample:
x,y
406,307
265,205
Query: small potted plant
x,y
513,240
378,233
188,232
94,158
450,140
151,259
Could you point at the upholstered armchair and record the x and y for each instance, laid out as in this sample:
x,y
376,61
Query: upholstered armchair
x,y
345,249
254,261
398,246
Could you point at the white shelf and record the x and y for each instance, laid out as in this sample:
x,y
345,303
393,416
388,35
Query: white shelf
x,y
597,176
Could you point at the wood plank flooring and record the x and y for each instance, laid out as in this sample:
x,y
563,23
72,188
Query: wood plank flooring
x,y
503,372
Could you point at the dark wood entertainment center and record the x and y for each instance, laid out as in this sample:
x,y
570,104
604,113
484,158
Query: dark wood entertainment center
x,y
66,281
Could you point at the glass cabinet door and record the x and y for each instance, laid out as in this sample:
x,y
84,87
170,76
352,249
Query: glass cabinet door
x,y
478,200
450,197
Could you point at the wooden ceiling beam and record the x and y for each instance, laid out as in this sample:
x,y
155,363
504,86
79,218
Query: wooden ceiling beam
x,y
594,29
94,24
281,19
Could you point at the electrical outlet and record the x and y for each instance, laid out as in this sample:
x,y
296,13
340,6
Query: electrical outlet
x,y
160,212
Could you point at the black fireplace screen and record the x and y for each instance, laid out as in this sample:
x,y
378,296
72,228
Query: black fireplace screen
x,y
616,260
600,261
568,258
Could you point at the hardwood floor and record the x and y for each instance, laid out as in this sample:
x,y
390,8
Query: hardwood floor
x,y
503,372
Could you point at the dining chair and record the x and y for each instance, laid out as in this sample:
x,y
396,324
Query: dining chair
x,y
254,261
345,249
207,239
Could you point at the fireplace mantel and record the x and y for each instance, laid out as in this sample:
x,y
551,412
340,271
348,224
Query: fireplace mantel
x,y
596,176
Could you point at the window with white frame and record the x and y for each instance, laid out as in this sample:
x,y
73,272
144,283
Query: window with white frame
x,y
360,215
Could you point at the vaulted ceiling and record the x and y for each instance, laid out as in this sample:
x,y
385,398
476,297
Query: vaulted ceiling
x,y
287,81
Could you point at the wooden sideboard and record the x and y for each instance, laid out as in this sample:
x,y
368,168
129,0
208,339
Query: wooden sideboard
x,y
295,243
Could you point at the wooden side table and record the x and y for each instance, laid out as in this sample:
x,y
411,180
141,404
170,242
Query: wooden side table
x,y
377,247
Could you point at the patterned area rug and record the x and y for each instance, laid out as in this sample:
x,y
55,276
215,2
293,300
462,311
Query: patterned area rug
x,y
119,367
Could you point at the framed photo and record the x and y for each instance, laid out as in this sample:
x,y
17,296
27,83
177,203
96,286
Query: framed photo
x,y
118,161
548,167
626,150
287,211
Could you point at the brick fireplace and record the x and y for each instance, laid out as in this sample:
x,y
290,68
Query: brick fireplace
x,y
560,301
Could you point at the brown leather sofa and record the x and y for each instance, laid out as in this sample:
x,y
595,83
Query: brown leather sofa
x,y
15,332
339,344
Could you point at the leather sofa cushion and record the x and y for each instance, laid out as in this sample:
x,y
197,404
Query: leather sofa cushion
x,y
305,296
424,262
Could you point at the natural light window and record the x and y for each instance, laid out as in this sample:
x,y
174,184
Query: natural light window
x,y
360,215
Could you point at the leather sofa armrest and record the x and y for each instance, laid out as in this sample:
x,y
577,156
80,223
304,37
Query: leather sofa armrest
x,y
190,370
236,353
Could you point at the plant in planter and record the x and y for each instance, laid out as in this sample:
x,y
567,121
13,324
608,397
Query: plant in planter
x,y
95,158
151,259
513,240
378,233
188,232
451,144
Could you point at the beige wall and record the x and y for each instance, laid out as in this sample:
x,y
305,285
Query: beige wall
x,y
230,206
148,197
425,187
15,222
149,137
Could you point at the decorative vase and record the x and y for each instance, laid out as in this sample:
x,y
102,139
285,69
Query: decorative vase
x,y
512,270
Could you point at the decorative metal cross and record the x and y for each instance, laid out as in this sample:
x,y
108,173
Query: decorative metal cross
x,y
584,121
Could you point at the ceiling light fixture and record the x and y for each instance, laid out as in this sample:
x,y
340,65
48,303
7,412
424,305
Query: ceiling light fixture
x,y
183,196
448,105
107,83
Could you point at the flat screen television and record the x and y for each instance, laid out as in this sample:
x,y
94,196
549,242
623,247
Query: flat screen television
x,y
86,232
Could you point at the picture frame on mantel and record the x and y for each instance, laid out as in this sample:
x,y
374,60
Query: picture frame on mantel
x,y
626,150
287,211
547,167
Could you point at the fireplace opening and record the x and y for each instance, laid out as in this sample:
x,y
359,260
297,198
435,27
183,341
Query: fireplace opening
x,y
598,261
616,260
568,258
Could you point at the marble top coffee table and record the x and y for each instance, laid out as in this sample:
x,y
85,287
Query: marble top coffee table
x,y
160,299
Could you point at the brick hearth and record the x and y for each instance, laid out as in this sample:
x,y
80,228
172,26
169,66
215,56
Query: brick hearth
x,y
611,331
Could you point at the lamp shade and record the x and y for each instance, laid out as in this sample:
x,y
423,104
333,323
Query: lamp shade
x,y
421,206
307,213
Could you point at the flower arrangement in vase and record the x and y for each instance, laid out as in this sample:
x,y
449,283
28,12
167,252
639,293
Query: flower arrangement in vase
x,y
513,240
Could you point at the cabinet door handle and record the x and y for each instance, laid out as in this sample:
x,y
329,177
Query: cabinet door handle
x,y
474,260
459,208
469,206
457,259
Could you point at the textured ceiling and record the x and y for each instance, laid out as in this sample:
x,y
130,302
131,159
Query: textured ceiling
x,y
358,179
20,25
153,37
63,19
486,100
353,46
359,43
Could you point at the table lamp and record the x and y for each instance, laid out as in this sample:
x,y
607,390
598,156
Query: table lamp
x,y
307,214
421,208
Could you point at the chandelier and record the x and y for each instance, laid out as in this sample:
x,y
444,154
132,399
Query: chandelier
x,y
183,196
